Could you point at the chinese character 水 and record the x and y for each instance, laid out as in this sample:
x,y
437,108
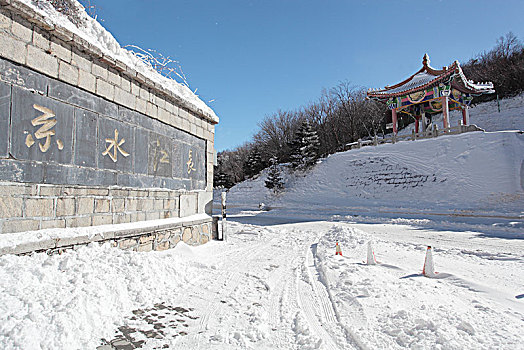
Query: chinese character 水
x,y
115,145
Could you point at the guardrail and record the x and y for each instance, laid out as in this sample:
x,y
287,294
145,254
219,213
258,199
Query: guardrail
x,y
429,133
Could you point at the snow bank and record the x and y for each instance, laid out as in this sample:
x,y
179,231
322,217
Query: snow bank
x,y
73,300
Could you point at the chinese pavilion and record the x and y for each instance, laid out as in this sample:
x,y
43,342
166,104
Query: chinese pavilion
x,y
431,91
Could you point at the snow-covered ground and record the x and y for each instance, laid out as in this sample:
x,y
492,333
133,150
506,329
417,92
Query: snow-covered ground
x,y
276,282
274,287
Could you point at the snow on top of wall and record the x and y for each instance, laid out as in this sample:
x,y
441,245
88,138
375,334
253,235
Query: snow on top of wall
x,y
94,33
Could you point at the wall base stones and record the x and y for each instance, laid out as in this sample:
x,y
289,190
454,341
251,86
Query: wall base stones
x,y
160,235
27,207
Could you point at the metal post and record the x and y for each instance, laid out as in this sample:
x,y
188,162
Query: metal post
x,y
498,102
224,223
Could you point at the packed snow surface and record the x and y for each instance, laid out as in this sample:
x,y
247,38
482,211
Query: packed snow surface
x,y
275,287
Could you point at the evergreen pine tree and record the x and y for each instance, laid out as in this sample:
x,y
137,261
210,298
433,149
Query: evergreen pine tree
x,y
221,179
253,164
304,147
274,179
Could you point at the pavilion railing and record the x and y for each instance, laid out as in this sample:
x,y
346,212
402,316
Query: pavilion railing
x,y
429,133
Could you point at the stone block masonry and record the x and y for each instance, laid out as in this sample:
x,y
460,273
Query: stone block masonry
x,y
85,140
158,235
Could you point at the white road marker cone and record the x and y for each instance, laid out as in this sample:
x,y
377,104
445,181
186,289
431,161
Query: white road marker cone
x,y
429,266
371,260
338,250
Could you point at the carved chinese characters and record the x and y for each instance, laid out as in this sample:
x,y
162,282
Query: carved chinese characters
x,y
63,143
190,164
115,145
47,122
160,149
41,128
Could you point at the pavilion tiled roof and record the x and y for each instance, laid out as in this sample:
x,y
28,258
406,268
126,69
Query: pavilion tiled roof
x,y
427,77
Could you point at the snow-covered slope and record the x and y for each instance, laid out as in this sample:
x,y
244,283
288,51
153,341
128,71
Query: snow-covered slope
x,y
473,173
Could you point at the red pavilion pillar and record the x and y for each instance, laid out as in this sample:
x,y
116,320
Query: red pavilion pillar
x,y
394,120
465,115
445,111
417,119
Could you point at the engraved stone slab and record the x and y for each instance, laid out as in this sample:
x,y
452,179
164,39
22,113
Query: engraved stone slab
x,y
16,171
85,138
5,110
60,174
128,116
190,162
116,145
141,151
41,128
160,155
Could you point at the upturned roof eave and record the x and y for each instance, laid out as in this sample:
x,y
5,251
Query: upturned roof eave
x,y
440,74
384,93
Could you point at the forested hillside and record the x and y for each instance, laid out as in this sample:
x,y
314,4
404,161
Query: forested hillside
x,y
342,115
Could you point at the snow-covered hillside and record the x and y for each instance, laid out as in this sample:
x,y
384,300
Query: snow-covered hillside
x,y
475,173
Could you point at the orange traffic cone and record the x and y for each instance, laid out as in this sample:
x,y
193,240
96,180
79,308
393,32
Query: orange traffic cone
x,y
371,260
429,266
338,250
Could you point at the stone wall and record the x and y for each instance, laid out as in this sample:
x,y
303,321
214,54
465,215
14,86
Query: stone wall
x,y
86,140
157,235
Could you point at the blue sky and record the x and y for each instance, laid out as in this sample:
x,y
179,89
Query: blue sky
x,y
255,57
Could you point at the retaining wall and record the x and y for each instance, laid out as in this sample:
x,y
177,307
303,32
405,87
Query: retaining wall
x,y
86,140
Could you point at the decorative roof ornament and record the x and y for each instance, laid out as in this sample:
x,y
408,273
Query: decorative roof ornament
x,y
425,60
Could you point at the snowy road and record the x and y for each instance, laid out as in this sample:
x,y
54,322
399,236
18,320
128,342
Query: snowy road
x,y
267,294
285,289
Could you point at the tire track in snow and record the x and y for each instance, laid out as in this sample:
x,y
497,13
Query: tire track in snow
x,y
314,301
279,326
318,287
224,286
